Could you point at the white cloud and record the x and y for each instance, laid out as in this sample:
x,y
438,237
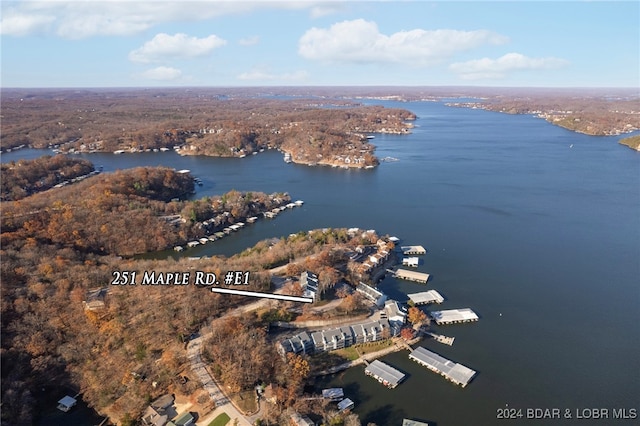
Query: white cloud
x,y
20,24
487,68
249,41
360,41
162,74
261,74
325,9
74,19
164,47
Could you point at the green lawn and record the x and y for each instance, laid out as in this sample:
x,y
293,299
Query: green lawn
x,y
351,353
221,420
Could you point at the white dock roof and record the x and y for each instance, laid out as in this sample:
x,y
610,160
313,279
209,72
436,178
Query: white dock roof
x,y
412,275
424,297
454,315
413,250
455,372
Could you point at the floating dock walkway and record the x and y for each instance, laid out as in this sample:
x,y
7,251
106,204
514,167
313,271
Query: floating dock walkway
x,y
384,373
441,339
454,372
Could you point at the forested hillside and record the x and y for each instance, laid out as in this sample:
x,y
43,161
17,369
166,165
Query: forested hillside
x,y
25,177
203,123
65,324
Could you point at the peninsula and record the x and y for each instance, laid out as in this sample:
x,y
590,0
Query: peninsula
x,y
212,122
78,314
632,142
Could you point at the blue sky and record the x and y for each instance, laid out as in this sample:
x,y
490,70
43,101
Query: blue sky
x,y
55,43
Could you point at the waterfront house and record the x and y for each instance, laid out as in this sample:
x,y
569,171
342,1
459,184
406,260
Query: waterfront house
x,y
336,338
319,342
159,411
300,343
372,294
396,314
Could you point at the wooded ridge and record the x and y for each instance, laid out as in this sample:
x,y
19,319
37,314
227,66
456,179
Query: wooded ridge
x,y
123,345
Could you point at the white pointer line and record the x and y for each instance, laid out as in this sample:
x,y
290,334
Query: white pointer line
x,y
264,295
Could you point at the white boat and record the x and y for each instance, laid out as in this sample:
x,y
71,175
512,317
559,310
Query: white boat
x,y
287,157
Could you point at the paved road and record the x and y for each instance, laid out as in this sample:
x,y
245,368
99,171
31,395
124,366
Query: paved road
x,y
194,350
194,354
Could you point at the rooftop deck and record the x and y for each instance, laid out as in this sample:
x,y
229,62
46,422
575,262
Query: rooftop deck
x,y
456,373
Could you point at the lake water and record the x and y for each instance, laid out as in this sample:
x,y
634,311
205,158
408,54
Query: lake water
x,y
541,239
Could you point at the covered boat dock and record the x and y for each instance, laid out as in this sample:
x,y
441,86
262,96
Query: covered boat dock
x,y
384,373
454,372
426,297
454,316
412,276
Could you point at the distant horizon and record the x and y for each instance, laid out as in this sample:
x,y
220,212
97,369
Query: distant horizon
x,y
328,86
216,43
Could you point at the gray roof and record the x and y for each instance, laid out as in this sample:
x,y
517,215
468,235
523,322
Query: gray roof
x,y
385,372
163,402
345,403
359,329
409,422
454,371
334,334
333,393
347,331
318,338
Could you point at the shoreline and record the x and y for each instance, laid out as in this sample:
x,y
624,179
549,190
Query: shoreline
x,y
396,346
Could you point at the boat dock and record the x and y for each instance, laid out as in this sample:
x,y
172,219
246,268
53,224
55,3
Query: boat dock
x,y
345,404
413,250
426,297
412,276
384,373
409,422
411,261
333,394
454,316
454,372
